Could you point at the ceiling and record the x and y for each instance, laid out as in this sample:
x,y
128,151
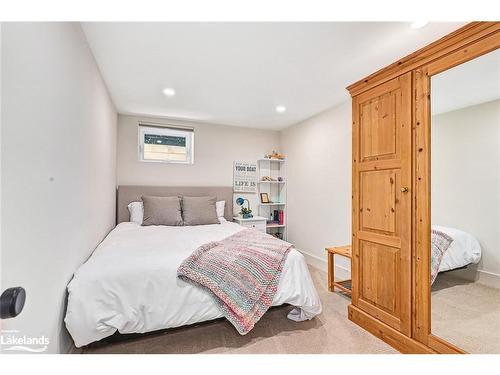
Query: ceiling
x,y
237,73
475,82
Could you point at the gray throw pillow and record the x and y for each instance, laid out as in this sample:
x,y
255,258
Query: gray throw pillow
x,y
162,211
199,210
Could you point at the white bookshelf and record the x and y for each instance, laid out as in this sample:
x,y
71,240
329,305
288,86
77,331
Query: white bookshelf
x,y
276,191
272,160
271,226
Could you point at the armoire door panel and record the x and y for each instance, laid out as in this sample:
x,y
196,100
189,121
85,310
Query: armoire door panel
x,y
383,239
382,204
378,126
378,211
380,314
379,273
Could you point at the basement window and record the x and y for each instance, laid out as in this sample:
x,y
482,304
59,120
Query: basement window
x,y
165,144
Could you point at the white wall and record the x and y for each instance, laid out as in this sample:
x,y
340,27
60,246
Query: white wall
x,y
466,178
58,168
216,147
318,151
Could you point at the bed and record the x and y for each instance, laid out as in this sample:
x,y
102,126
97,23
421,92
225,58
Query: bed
x,y
463,250
451,249
130,283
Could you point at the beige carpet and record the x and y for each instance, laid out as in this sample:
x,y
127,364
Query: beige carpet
x,y
330,332
466,314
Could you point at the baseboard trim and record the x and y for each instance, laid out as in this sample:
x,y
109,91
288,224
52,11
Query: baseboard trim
x,y
322,265
489,279
315,261
472,274
387,334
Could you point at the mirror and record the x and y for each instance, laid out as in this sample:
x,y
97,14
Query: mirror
x,y
465,205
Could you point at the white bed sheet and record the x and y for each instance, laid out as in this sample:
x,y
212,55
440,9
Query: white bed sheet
x,y
130,283
465,249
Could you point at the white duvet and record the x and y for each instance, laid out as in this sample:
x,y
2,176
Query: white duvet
x,y
464,249
130,283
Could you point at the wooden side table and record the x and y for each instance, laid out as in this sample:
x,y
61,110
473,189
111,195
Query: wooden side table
x,y
344,285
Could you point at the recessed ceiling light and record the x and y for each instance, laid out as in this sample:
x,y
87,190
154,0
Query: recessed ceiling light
x,y
280,109
418,24
168,91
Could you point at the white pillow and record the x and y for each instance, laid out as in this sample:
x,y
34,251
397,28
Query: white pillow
x,y
219,207
136,210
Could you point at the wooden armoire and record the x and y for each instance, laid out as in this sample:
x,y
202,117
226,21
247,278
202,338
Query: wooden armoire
x,y
391,190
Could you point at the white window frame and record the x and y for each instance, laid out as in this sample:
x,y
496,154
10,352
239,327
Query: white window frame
x,y
188,133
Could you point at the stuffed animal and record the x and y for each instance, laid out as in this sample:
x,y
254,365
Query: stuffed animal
x,y
275,155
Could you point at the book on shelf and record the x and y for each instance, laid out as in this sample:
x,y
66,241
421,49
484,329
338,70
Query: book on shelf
x,y
277,217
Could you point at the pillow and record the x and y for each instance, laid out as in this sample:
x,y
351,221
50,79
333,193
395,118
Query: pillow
x,y
136,210
199,210
220,206
162,211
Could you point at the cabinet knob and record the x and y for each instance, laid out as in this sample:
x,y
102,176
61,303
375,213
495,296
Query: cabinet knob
x,y
404,189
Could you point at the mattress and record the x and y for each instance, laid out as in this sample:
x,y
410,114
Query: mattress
x,y
464,249
130,283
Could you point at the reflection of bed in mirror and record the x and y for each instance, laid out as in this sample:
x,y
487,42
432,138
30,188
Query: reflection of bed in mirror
x,y
460,249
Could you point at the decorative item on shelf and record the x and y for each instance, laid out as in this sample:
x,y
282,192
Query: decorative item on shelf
x,y
275,155
246,213
267,178
264,198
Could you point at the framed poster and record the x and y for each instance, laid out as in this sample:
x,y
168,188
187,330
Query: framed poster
x,y
244,177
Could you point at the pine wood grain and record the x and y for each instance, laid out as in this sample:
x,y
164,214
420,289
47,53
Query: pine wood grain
x,y
391,150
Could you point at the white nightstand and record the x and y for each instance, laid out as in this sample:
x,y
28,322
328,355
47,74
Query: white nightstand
x,y
256,222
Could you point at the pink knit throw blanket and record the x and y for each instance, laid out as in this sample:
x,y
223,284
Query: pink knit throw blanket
x,y
440,242
241,272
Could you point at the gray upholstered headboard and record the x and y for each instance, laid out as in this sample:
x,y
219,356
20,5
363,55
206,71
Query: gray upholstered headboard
x,y
129,193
